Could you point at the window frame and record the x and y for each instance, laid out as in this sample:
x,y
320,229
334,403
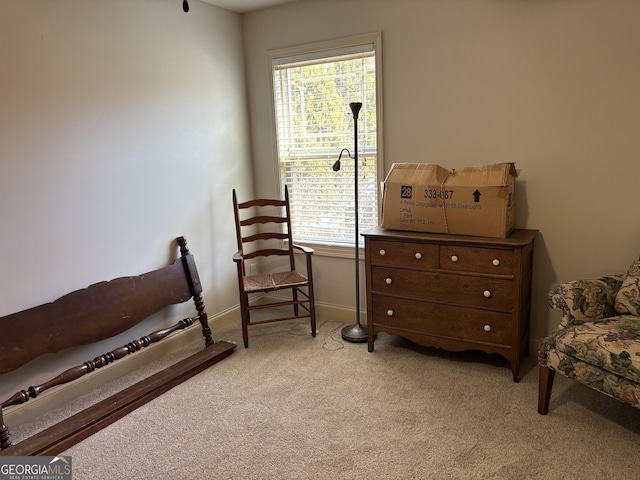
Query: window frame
x,y
320,50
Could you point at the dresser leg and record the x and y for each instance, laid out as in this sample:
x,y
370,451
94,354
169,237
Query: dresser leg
x,y
371,339
515,369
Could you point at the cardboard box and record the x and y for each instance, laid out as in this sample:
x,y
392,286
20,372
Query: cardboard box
x,y
471,201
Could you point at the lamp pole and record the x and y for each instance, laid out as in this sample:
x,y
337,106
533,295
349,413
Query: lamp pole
x,y
356,333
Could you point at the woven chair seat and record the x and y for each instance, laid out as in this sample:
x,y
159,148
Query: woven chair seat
x,y
266,282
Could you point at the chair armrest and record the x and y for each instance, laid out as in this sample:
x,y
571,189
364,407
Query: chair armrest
x,y
585,300
237,257
306,250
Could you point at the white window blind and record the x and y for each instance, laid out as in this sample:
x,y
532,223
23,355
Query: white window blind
x,y
312,92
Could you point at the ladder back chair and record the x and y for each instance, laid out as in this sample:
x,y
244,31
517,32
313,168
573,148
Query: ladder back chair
x,y
263,229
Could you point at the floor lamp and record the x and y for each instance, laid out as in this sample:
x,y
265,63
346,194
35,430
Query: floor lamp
x,y
354,333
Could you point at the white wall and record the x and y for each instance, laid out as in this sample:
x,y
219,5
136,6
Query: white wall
x,y
550,85
123,124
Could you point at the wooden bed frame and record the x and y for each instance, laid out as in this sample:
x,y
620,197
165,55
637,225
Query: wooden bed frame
x,y
90,315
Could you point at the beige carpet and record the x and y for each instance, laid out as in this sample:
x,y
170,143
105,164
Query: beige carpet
x,y
295,407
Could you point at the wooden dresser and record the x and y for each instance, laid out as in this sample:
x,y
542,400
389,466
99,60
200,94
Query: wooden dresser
x,y
451,291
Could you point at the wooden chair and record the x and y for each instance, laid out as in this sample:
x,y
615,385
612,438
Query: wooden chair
x,y
263,229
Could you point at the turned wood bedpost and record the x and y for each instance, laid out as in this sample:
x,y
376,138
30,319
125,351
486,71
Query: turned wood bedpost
x,y
196,288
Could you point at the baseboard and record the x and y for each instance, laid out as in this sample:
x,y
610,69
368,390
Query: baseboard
x,y
56,397
340,313
324,311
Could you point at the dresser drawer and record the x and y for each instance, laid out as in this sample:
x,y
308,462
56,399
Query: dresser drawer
x,y
447,321
493,293
477,259
404,254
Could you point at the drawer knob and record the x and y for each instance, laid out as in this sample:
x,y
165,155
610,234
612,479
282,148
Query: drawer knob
x,y
418,255
454,258
390,313
487,294
487,328
496,262
383,253
389,281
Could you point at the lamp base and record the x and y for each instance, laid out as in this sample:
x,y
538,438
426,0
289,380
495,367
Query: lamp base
x,y
355,333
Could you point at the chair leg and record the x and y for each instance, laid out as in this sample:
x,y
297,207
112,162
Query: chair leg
x,y
244,312
295,299
313,318
312,311
546,376
312,301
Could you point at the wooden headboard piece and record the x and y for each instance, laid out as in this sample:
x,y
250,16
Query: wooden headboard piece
x,y
98,312
95,313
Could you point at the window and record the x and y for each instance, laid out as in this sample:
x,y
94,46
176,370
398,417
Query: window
x,y
312,89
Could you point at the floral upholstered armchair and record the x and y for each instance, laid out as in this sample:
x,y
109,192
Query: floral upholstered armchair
x,y
598,339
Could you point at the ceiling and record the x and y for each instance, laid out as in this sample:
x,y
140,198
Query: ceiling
x,y
244,6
